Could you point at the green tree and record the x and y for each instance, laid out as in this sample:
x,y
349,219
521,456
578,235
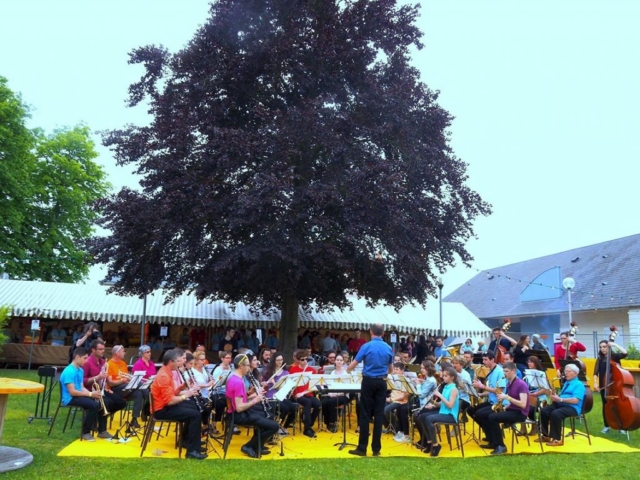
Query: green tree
x,y
5,311
49,183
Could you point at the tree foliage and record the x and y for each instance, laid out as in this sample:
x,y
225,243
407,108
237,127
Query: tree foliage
x,y
48,185
294,156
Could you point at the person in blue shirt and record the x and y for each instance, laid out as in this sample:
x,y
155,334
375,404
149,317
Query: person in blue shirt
x,y
568,403
495,379
74,393
377,357
440,350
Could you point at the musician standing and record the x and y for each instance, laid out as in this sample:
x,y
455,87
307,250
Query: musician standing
x,y
377,357
517,395
171,403
567,404
600,372
500,338
245,414
567,342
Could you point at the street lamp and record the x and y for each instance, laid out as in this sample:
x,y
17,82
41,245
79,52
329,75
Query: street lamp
x,y
440,285
568,283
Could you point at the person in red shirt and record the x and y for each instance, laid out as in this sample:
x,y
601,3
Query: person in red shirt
x,y
198,337
572,344
303,395
95,372
356,343
171,403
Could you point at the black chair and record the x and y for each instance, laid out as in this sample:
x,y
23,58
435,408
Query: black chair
x,y
150,426
70,409
457,436
572,422
230,423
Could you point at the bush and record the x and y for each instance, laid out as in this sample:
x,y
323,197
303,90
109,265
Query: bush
x,y
633,352
5,311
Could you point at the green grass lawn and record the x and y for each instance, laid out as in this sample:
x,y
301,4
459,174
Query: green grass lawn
x,y
46,465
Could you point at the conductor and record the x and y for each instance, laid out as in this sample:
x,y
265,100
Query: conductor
x,y
377,357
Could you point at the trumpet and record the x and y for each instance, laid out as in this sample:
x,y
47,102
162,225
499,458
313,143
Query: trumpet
x,y
96,388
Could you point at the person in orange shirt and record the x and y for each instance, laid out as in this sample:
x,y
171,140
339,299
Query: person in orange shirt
x,y
171,403
118,377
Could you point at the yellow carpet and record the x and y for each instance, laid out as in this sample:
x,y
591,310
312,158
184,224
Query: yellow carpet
x,y
299,447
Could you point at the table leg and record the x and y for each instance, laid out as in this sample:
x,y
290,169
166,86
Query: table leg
x,y
4,399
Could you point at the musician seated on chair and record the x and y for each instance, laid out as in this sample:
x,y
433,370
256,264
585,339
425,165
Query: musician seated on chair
x,y
243,407
333,401
95,376
398,401
303,395
444,410
507,357
495,379
171,403
513,407
76,394
118,378
567,404
285,410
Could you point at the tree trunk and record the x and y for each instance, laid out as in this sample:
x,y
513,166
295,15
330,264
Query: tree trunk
x,y
289,327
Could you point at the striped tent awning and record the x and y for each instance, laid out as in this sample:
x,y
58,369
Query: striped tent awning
x,y
65,301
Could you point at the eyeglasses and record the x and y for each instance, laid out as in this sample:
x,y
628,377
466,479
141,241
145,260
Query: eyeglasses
x,y
303,359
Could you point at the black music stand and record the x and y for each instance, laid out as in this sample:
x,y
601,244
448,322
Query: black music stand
x,y
477,358
581,375
135,383
336,388
545,358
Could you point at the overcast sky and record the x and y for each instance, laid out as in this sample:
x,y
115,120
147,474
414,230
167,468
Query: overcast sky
x,y
545,95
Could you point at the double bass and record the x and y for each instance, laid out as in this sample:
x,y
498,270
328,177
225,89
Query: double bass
x,y
622,410
500,350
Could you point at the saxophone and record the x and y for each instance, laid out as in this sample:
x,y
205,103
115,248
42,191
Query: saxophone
x,y
499,406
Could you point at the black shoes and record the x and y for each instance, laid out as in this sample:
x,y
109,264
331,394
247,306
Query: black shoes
x,y
435,450
376,454
249,452
309,433
196,455
134,424
359,453
500,449
488,446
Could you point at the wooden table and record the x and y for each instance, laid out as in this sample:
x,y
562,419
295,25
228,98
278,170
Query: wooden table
x,y
14,458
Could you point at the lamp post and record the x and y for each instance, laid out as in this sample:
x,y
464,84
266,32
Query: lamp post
x,y
568,283
440,285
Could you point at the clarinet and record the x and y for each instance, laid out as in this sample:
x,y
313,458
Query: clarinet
x,y
198,396
258,387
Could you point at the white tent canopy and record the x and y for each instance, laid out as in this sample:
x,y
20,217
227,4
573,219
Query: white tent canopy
x,y
66,301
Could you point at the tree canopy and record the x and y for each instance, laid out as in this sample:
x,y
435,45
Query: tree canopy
x,y
294,156
48,184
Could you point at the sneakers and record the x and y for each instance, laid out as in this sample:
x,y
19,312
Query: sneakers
x,y
87,437
105,435
605,430
399,437
406,439
623,432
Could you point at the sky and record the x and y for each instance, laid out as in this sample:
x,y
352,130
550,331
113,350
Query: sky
x,y
544,94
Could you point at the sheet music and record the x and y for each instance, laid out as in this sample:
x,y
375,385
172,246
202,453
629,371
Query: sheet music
x,y
135,381
536,378
288,384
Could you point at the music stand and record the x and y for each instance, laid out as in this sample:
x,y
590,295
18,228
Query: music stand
x,y
135,383
581,375
477,358
544,357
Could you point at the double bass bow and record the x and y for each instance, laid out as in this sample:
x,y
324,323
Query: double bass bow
x,y
622,410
